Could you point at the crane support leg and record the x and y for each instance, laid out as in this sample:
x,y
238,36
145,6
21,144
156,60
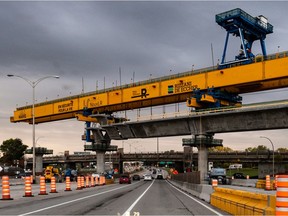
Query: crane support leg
x,y
225,48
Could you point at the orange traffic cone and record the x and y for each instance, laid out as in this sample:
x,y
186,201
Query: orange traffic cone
x,y
79,183
53,185
96,181
42,186
28,187
87,182
5,188
82,182
68,184
101,181
92,182
267,183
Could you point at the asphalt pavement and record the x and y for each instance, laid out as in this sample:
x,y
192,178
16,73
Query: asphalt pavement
x,y
155,197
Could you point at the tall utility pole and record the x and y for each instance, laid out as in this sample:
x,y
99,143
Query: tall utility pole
x,y
33,84
272,153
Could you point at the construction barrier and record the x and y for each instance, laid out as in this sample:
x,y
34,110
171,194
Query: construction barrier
x,y
92,182
28,187
5,188
87,182
109,181
82,182
42,186
282,195
79,183
68,184
53,185
238,202
214,183
268,183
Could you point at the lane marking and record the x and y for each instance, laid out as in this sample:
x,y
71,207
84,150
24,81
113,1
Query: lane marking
x,y
217,213
127,212
71,201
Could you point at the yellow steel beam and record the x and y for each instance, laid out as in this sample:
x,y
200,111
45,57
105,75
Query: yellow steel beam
x,y
258,76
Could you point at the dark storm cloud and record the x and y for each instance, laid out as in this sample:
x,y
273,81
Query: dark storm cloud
x,y
79,38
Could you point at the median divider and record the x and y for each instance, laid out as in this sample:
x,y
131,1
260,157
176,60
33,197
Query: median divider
x,y
237,202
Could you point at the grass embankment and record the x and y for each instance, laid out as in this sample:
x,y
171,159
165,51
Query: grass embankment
x,y
246,171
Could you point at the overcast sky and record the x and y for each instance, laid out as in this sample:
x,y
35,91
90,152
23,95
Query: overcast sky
x,y
91,40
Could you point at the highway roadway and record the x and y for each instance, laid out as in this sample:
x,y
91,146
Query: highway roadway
x,y
156,197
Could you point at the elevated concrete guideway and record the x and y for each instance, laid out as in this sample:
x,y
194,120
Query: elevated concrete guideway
x,y
201,124
250,118
205,124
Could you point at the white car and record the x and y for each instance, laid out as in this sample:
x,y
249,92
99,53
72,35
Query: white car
x,y
147,177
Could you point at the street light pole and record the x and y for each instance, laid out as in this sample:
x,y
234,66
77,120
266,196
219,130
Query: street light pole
x,y
272,152
33,84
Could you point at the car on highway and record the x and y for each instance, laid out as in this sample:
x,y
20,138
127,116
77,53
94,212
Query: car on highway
x,y
125,179
136,177
159,176
148,177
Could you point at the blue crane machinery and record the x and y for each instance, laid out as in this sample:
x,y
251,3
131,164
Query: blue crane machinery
x,y
240,24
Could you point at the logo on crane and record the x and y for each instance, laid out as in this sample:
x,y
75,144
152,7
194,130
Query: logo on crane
x,y
142,94
181,87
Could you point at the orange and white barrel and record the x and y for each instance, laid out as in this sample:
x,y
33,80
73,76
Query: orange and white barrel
x,y
82,182
28,187
53,185
42,186
101,180
87,182
96,181
276,182
92,182
6,188
268,183
214,183
68,184
282,195
79,183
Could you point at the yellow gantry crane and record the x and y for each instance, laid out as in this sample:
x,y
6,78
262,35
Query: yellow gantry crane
x,y
270,73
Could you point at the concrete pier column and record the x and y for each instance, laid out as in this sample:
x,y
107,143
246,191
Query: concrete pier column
x,y
39,164
202,161
100,161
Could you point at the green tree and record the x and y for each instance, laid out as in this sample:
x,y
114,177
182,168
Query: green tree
x,y
258,148
12,149
220,149
282,150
